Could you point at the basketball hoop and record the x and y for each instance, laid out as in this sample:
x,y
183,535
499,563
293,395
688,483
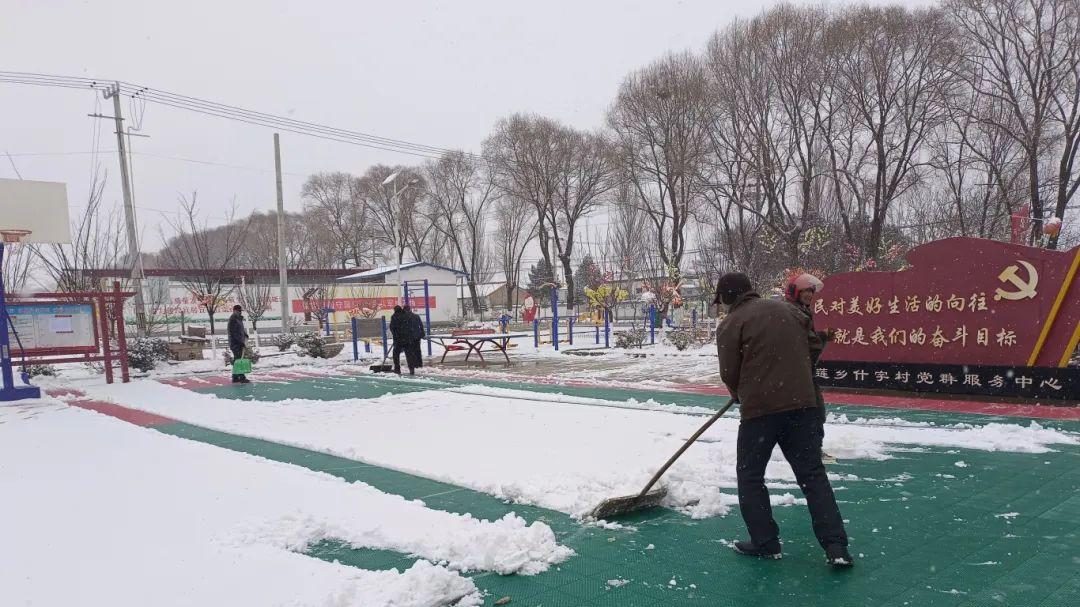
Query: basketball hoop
x,y
12,236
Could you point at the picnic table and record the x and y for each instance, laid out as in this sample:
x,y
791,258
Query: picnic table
x,y
473,340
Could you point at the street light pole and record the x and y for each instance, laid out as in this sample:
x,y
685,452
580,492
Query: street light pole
x,y
396,227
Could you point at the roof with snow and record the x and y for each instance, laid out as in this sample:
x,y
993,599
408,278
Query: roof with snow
x,y
484,289
383,271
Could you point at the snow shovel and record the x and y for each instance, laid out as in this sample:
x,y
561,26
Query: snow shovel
x,y
382,367
619,506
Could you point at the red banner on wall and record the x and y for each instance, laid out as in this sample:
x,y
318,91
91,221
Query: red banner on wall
x,y
344,304
962,301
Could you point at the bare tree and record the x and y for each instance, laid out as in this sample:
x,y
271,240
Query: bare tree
x,y
96,243
982,168
398,220
156,300
767,82
20,260
562,172
256,294
661,120
515,228
209,254
626,246
459,194
1025,54
305,245
336,200
895,70
256,297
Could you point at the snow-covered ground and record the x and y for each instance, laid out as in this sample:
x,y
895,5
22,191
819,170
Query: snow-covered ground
x,y
96,511
562,453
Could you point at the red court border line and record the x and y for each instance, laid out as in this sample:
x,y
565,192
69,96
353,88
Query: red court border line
x,y
134,416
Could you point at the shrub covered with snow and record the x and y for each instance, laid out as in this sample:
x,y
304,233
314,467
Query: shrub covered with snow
x,y
283,341
632,338
313,345
40,370
144,353
681,338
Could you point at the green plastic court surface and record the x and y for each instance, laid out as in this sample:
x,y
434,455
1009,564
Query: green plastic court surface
x,y
1002,531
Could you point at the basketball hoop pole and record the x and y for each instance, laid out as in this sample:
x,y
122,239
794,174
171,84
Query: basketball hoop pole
x,y
9,390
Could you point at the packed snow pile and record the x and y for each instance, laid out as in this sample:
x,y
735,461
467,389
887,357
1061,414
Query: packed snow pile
x,y
561,453
186,523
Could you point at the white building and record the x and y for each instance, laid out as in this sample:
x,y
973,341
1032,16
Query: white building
x,y
443,284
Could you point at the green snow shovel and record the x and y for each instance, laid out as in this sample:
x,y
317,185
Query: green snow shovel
x,y
619,506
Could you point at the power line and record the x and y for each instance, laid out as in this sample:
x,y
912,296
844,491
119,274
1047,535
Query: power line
x,y
159,156
229,112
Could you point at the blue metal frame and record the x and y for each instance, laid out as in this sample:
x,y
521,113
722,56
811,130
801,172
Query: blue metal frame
x,y
652,324
555,317
427,309
355,345
9,391
427,314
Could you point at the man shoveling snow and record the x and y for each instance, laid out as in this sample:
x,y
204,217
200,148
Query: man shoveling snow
x,y
765,363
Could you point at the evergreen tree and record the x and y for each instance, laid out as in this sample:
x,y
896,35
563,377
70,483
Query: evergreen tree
x,y
540,280
588,274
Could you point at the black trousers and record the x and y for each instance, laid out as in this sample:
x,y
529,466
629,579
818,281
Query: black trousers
x,y
400,348
237,353
413,356
799,435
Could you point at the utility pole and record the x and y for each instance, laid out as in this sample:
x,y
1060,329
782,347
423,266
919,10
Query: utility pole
x,y
137,274
283,272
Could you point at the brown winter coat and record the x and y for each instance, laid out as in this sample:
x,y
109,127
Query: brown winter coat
x,y
765,356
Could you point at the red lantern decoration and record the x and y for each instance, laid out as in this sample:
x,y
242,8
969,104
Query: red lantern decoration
x,y
1052,227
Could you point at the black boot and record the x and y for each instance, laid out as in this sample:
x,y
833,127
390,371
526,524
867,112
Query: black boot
x,y
838,556
749,549
235,378
243,379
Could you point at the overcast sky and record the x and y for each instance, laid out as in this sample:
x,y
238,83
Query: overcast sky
x,y
438,73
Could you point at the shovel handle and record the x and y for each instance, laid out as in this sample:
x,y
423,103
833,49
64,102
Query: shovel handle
x,y
686,446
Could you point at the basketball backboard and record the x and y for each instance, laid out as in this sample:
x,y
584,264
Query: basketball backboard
x,y
38,206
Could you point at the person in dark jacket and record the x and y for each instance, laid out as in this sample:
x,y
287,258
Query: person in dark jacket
x,y
764,352
237,341
399,330
413,356
801,291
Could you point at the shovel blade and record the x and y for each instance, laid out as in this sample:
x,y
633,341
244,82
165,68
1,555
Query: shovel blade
x,y
627,504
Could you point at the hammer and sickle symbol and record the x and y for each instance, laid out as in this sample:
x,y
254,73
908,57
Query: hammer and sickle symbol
x,y
1025,288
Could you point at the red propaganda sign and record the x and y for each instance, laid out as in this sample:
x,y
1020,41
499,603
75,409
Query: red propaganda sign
x,y
962,301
